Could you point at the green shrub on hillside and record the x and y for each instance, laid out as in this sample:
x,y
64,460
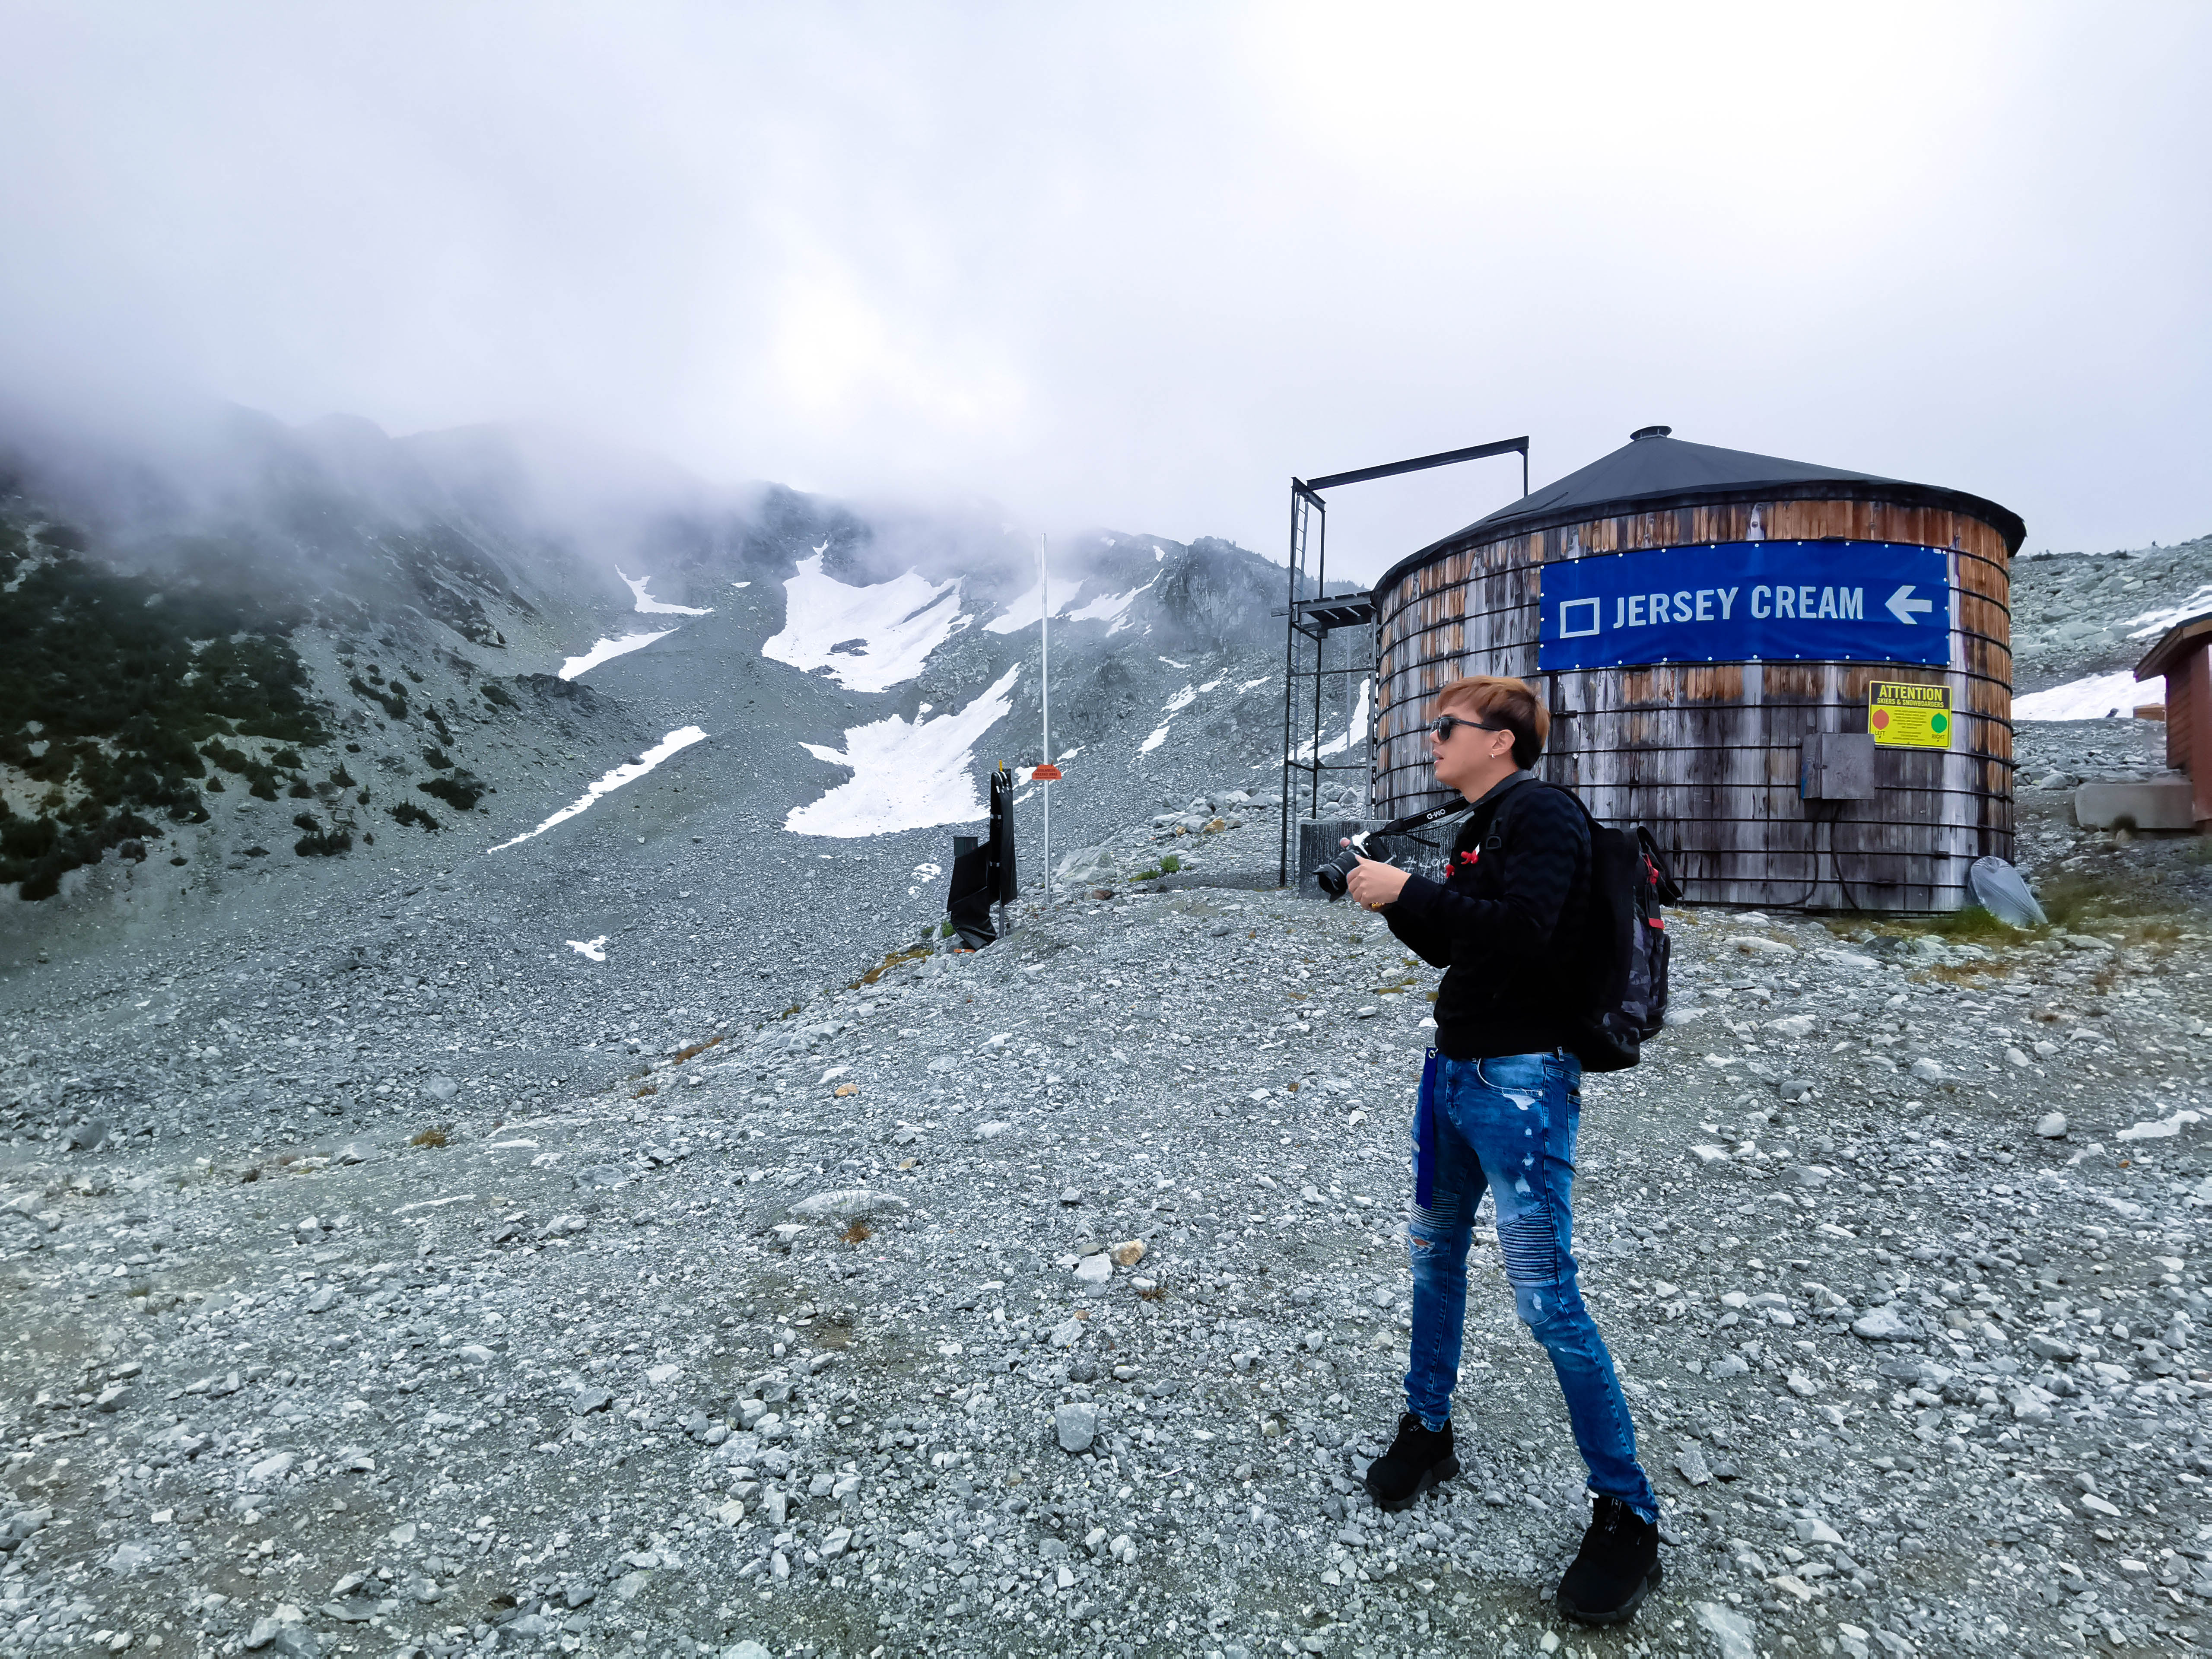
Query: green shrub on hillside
x,y
318,842
392,698
109,687
460,792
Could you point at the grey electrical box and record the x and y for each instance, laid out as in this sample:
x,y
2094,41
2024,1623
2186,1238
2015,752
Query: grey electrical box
x,y
1836,766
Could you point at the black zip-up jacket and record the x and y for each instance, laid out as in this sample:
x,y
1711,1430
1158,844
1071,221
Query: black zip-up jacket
x,y
1505,925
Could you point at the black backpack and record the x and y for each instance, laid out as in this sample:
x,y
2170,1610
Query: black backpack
x,y
1625,947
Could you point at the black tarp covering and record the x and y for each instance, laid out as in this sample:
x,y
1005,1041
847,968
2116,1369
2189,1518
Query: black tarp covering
x,y
1002,834
969,902
983,869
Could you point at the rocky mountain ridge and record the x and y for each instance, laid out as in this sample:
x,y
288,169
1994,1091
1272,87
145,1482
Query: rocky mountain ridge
x,y
437,634
2077,614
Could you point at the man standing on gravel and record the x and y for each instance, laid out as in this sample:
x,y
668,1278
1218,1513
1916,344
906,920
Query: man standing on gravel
x,y
1506,926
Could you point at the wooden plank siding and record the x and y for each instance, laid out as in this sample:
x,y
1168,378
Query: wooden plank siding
x,y
2189,725
1706,753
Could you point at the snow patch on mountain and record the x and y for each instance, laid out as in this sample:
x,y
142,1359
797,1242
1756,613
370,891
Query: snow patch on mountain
x,y
1107,607
1355,732
1112,608
1174,706
2157,621
608,648
1021,612
906,775
682,738
651,606
866,639
2091,698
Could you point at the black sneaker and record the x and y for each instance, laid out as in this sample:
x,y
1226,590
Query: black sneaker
x,y
1418,1458
1619,1567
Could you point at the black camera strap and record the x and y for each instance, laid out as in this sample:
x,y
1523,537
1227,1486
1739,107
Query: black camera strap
x,y
1422,820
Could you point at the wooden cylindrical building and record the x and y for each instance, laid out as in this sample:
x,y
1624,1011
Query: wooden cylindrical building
x,y
1700,622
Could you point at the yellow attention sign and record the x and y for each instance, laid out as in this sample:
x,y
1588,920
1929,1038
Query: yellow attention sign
x,y
1903,716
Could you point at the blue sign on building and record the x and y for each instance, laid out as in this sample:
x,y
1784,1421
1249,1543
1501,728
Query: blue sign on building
x,y
1748,601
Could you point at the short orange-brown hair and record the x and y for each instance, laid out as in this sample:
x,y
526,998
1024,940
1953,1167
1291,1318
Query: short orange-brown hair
x,y
1498,700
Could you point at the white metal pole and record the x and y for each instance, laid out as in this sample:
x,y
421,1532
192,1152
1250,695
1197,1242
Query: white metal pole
x,y
1044,678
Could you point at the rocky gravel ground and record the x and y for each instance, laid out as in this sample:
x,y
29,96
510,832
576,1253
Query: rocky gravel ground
x,y
311,1002
1049,1299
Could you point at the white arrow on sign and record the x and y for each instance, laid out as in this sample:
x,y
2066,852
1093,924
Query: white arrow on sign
x,y
1901,605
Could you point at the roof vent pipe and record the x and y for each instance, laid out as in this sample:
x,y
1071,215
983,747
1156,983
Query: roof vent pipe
x,y
1650,432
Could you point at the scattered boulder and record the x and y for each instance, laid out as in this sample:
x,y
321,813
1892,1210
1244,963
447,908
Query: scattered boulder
x,y
849,1204
1888,1323
1075,1425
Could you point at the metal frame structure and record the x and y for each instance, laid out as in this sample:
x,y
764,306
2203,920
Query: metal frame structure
x,y
1312,618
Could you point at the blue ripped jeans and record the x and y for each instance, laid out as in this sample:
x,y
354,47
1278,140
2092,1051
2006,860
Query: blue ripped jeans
x,y
1509,1125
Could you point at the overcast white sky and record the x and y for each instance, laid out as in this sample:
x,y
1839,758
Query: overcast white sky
x,y
1135,265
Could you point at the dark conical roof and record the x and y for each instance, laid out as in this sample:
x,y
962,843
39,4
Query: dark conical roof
x,y
1653,470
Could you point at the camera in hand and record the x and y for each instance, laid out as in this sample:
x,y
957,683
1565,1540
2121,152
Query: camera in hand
x,y
1333,876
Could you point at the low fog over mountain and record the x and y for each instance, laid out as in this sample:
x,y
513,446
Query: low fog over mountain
x,y
268,666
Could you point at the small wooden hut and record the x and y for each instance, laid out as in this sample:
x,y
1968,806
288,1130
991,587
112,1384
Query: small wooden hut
x,y
2183,656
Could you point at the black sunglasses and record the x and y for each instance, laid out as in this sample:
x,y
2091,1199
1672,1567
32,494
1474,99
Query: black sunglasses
x,y
1442,728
